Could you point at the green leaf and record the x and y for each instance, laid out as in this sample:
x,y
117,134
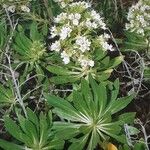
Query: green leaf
x,y
31,131
65,130
115,91
79,143
127,118
63,79
34,34
55,144
106,61
134,41
139,146
58,70
87,94
80,103
44,128
120,104
115,62
32,116
102,97
13,128
23,42
9,146
104,75
94,140
63,107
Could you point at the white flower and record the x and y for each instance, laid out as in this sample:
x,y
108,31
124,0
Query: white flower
x,y
140,31
12,8
75,18
95,15
25,8
90,24
65,32
83,43
98,19
138,17
65,57
75,22
86,62
63,3
107,46
56,46
84,5
103,42
91,63
106,36
54,31
61,17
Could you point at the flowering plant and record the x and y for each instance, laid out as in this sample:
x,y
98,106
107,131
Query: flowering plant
x,y
12,6
83,40
90,116
30,49
138,27
138,17
138,31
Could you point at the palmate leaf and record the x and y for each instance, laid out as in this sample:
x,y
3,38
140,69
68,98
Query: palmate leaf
x,y
33,132
89,115
29,46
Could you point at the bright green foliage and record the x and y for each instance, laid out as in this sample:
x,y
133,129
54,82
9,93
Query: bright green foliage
x,y
33,132
135,41
70,73
30,47
7,96
90,116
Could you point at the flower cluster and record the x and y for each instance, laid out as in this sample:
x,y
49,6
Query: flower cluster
x,y
139,17
63,3
77,28
36,51
20,5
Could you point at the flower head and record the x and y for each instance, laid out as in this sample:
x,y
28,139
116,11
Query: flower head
x,y
77,28
16,5
139,17
83,43
65,32
66,58
55,46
